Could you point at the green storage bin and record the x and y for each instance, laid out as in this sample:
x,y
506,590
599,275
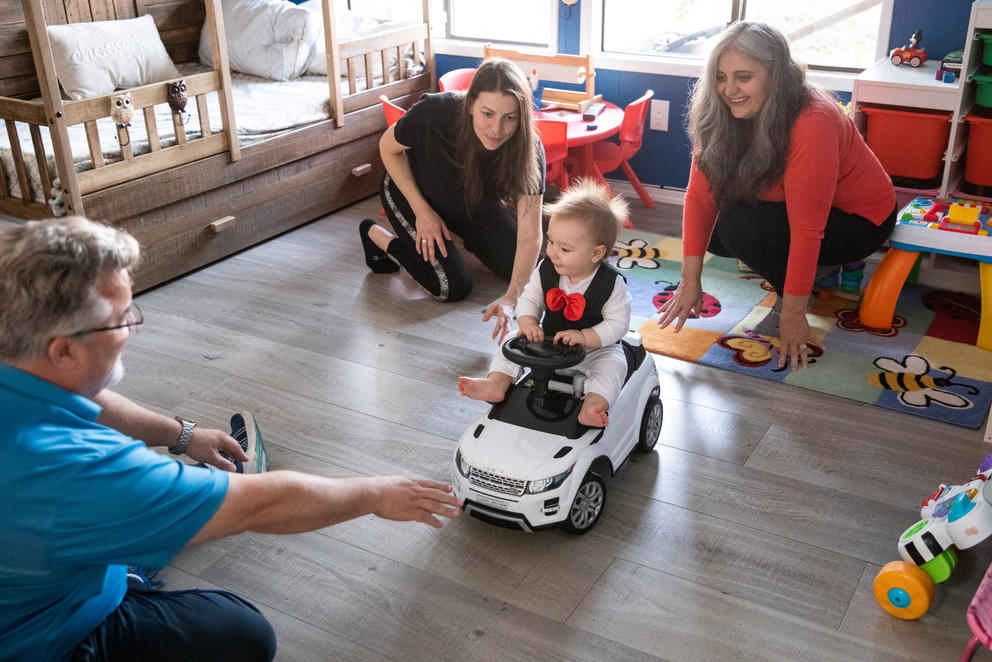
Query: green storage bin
x,y
983,89
987,49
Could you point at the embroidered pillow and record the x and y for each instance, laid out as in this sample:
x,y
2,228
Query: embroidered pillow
x,y
268,38
98,57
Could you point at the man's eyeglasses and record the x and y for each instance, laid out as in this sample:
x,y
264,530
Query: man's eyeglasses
x,y
133,320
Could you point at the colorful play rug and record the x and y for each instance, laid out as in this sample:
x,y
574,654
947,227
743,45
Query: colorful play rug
x,y
927,365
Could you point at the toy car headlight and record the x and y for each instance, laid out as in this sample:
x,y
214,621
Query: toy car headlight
x,y
545,484
463,467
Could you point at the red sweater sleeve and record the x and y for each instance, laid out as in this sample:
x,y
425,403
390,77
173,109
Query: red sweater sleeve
x,y
698,214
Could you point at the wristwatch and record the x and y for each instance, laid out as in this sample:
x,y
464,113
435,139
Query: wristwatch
x,y
184,436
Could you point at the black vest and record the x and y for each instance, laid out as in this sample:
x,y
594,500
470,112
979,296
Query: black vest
x,y
596,295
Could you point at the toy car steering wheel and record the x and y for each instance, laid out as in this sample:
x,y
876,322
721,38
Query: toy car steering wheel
x,y
542,356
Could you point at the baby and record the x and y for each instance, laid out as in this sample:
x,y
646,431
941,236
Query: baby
x,y
583,299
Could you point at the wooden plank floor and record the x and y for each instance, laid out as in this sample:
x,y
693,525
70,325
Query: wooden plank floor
x,y
752,533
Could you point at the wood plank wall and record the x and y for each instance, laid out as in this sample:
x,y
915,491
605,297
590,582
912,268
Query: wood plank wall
x,y
178,21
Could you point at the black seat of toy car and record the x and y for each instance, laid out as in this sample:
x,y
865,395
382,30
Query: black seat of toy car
x,y
635,357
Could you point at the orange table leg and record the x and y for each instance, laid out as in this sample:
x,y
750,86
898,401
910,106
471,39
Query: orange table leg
x,y
879,302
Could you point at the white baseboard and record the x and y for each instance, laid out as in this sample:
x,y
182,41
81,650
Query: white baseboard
x,y
667,196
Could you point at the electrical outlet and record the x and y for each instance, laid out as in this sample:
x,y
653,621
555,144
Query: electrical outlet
x,y
659,115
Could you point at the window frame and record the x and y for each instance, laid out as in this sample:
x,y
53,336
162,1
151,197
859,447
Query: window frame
x,y
470,46
590,41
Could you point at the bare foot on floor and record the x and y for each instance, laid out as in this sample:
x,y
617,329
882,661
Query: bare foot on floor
x,y
490,389
593,413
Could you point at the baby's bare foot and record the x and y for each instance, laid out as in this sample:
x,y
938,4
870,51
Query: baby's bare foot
x,y
486,390
594,415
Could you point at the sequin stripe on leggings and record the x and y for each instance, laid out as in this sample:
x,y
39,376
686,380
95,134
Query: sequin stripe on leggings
x,y
442,277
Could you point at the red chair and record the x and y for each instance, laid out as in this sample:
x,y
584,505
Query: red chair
x,y
391,110
610,156
554,137
456,79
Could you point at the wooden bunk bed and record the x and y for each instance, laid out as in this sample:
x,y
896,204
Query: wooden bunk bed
x,y
203,197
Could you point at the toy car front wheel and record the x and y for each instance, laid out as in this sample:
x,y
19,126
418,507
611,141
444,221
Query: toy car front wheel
x,y
903,590
650,423
915,61
587,505
896,60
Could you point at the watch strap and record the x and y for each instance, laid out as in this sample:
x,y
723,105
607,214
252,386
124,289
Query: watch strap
x,y
184,436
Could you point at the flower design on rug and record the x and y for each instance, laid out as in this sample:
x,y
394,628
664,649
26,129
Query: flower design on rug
x,y
848,320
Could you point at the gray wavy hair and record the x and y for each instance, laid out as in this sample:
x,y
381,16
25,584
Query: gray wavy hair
x,y
49,274
742,157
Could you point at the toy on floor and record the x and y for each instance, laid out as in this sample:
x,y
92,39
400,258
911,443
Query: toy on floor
x,y
912,53
953,516
528,463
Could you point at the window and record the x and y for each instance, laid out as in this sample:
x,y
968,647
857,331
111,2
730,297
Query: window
x,y
824,34
524,22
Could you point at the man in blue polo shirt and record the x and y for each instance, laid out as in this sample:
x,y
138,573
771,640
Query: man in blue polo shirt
x,y
80,501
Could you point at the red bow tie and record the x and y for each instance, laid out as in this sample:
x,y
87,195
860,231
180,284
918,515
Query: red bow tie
x,y
574,304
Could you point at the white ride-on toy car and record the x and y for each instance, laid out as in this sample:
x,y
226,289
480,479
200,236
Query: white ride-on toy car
x,y
530,463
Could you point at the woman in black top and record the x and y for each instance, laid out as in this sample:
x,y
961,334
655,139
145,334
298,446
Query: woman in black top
x,y
455,164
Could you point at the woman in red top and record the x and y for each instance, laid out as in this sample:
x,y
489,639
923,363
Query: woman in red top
x,y
781,179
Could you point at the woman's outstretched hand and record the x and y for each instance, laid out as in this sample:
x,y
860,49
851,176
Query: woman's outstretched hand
x,y
685,303
502,310
794,334
431,233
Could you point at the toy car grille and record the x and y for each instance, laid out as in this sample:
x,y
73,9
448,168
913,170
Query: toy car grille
x,y
497,482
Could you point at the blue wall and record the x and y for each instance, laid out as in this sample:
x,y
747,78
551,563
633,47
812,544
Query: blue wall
x,y
664,157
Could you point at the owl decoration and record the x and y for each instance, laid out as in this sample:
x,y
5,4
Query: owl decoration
x,y
121,110
176,96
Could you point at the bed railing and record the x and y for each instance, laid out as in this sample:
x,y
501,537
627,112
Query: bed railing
x,y
56,115
409,42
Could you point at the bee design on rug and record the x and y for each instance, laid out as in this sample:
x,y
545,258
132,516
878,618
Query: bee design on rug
x,y
755,351
711,305
637,253
916,387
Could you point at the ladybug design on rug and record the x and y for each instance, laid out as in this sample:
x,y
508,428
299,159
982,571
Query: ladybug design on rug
x,y
711,305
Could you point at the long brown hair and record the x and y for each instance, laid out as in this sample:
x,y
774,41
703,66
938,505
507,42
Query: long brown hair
x,y
516,168
743,157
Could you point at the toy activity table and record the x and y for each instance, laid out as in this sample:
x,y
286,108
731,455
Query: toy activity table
x,y
952,226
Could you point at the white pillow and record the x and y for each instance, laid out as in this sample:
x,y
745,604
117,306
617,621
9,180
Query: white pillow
x,y
268,38
98,57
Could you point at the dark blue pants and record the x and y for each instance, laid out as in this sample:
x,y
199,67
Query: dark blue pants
x,y
152,625
758,235
491,237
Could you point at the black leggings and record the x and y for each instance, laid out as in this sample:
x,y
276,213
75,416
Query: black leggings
x,y
759,236
492,237
180,625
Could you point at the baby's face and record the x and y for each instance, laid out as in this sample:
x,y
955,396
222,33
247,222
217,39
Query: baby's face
x,y
572,249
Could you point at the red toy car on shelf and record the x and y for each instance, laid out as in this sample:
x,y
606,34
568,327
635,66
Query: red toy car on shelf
x,y
910,54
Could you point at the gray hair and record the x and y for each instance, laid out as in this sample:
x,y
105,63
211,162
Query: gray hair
x,y
742,157
49,274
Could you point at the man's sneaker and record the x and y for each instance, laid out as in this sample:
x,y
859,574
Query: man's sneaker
x,y
245,432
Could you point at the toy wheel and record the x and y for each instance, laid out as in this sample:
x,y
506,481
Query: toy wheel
x,y
587,505
896,60
915,61
651,423
903,590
